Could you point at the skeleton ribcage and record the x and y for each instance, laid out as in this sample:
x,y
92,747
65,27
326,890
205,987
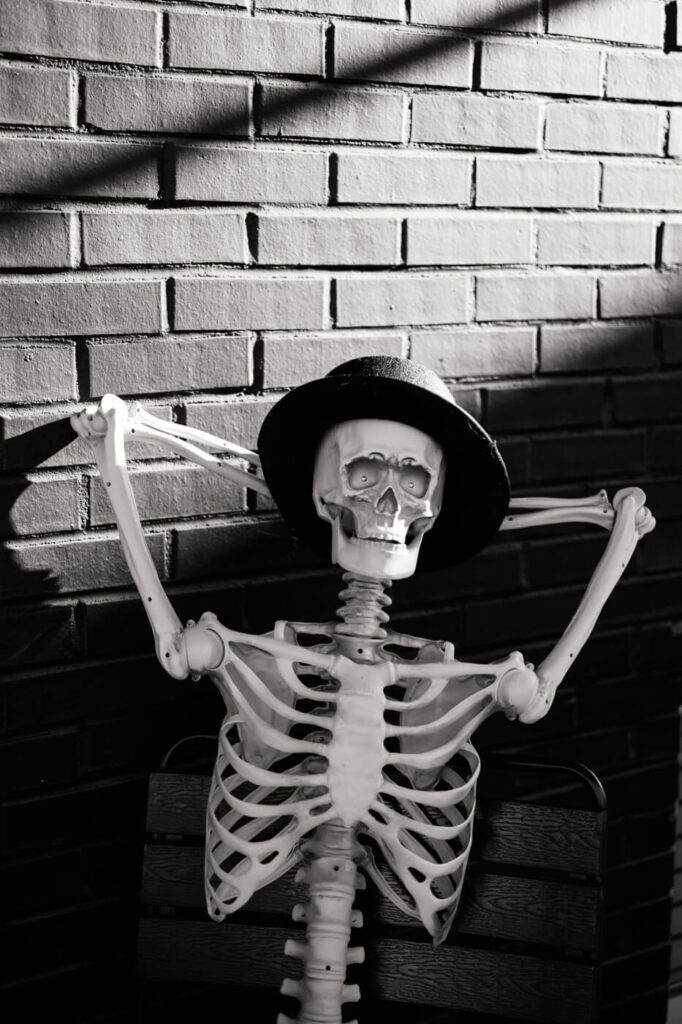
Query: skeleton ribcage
x,y
302,745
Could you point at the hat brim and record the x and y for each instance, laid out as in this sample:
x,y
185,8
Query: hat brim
x,y
476,494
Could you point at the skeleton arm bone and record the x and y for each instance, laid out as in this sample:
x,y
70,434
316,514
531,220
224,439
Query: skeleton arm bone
x,y
518,689
596,509
632,521
628,519
105,427
186,441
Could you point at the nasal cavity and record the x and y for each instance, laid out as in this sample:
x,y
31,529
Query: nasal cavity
x,y
387,504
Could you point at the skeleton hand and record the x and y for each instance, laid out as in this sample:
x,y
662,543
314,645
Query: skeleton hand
x,y
644,520
90,422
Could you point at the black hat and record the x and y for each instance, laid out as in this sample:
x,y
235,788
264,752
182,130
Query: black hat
x,y
476,495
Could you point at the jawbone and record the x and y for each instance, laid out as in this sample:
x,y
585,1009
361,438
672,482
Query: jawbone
x,y
380,559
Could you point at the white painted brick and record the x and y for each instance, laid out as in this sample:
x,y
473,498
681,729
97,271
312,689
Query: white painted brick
x,y
469,238
604,128
675,140
231,42
476,121
386,300
35,239
539,66
531,182
173,236
604,239
165,103
623,21
221,3
672,241
534,296
79,168
328,240
644,76
250,176
499,15
59,28
643,293
402,55
28,371
320,113
384,10
54,308
187,362
161,492
288,361
250,303
389,177
236,418
576,348
632,185
190,362
36,95
476,353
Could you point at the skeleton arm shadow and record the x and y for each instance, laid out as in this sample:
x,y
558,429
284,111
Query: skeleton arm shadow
x,y
106,426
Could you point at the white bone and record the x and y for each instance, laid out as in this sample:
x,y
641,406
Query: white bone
x,y
595,509
193,453
142,418
105,428
331,877
632,521
351,790
379,483
276,797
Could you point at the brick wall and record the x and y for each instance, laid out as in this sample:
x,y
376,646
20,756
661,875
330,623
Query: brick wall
x,y
205,203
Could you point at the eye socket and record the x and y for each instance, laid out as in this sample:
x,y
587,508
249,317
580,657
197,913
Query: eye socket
x,y
365,472
414,480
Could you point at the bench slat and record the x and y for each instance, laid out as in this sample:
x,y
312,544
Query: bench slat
x,y
557,838
501,906
547,991
529,835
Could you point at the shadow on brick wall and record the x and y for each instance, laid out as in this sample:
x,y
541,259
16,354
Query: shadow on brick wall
x,y
78,182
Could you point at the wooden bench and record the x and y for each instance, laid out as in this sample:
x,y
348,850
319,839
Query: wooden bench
x,y
525,944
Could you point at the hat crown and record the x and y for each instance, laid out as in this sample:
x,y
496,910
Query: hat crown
x,y
394,368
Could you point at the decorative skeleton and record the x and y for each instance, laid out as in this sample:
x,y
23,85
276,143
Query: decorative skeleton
x,y
346,743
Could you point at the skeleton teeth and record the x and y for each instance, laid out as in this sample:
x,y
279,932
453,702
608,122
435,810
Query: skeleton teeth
x,y
373,540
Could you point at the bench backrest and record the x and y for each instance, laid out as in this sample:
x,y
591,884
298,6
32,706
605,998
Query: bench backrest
x,y
525,944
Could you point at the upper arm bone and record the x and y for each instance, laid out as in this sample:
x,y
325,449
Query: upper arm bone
x,y
105,427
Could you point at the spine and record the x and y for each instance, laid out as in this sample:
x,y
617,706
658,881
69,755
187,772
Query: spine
x,y
362,612
332,878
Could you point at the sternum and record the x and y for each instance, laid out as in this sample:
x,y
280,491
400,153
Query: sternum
x,y
356,753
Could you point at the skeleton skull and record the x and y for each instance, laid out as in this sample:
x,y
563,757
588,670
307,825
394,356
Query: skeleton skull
x,y
380,484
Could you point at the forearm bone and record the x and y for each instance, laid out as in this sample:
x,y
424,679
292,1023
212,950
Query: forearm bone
x,y
187,441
